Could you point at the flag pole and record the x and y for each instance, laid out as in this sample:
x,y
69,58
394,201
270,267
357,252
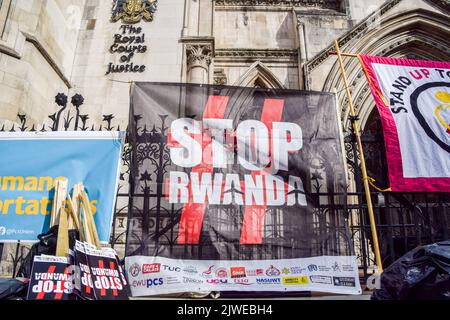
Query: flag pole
x,y
354,120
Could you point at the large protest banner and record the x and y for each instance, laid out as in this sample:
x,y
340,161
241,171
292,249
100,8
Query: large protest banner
x,y
31,163
413,99
237,189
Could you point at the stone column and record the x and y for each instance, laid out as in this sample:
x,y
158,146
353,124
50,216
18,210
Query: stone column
x,y
302,52
199,55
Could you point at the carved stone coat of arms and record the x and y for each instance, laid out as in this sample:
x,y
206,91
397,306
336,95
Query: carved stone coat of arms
x,y
133,11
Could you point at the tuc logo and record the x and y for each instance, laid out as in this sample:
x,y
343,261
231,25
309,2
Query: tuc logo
x,y
151,268
171,268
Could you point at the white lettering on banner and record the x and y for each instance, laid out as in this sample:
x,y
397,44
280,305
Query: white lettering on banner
x,y
288,137
253,143
212,142
232,182
190,153
253,190
415,97
205,191
179,192
56,287
296,184
325,274
275,191
258,189
217,129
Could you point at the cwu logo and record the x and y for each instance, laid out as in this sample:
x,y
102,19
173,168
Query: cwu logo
x,y
433,118
133,11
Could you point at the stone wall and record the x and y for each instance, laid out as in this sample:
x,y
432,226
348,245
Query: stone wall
x,y
36,55
52,46
109,94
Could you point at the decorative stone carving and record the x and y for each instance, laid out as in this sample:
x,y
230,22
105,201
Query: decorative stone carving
x,y
247,55
133,11
199,55
355,32
220,78
324,4
362,27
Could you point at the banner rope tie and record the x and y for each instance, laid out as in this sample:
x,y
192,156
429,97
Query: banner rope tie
x,y
372,184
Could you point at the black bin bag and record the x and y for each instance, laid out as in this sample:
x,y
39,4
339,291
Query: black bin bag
x,y
421,274
45,246
13,289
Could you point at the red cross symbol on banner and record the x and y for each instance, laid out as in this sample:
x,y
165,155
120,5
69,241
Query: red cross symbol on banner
x,y
59,294
193,213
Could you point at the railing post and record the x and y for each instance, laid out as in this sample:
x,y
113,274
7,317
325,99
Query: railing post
x,y
360,192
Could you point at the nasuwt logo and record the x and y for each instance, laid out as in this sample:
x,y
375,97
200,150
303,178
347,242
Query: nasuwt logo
x,y
433,117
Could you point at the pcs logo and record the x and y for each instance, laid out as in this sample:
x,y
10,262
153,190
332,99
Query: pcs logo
x,y
434,119
155,282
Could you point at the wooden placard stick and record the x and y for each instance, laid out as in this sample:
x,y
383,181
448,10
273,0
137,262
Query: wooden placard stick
x,y
59,200
90,219
87,237
62,244
76,201
73,214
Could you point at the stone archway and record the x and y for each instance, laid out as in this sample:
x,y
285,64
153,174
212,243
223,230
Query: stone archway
x,y
417,34
259,75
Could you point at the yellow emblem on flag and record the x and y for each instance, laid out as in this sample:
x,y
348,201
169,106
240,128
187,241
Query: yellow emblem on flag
x,y
445,98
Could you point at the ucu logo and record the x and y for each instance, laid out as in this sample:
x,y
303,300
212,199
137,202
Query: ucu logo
x,y
217,281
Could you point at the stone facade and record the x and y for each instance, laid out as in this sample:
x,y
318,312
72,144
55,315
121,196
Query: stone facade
x,y
51,46
65,46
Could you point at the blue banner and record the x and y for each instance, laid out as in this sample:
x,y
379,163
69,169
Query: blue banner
x,y
30,163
